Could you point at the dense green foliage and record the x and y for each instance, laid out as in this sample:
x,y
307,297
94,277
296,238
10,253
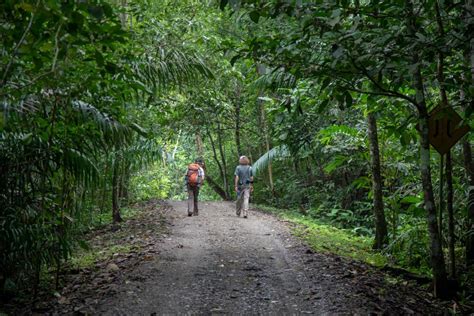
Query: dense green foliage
x,y
105,103
78,94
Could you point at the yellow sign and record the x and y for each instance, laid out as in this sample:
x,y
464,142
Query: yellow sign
x,y
444,131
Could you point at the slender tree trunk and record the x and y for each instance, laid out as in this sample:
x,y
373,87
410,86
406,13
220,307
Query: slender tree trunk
x,y
237,122
37,265
440,68
467,151
124,182
469,167
219,165
381,236
104,186
451,236
224,164
437,258
444,102
199,145
266,138
123,16
267,147
115,190
469,172
209,179
175,149
441,197
217,188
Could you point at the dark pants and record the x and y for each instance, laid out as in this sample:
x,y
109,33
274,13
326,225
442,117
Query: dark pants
x,y
193,192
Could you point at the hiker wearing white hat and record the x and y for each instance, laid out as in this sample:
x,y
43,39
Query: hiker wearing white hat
x,y
243,182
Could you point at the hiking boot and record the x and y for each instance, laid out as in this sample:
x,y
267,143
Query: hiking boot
x,y
195,213
245,216
190,214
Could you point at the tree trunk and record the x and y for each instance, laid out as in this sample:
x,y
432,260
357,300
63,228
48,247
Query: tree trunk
x,y
444,102
115,190
199,145
437,258
221,171
175,149
451,236
224,164
209,179
468,166
217,188
441,198
467,152
124,183
266,138
123,16
237,123
381,236
103,197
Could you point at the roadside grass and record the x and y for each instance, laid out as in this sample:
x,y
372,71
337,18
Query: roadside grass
x,y
104,239
324,238
103,219
87,258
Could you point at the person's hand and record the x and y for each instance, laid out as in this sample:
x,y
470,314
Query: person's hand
x,y
251,188
236,189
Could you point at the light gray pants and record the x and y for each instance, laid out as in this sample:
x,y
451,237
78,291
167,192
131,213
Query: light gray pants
x,y
193,193
243,201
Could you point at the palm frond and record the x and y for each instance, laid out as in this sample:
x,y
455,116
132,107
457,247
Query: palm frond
x,y
143,152
167,68
276,79
327,134
113,131
80,166
281,151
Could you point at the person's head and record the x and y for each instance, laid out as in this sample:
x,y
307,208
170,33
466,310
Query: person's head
x,y
199,161
243,160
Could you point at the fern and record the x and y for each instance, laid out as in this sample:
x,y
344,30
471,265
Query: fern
x,y
328,134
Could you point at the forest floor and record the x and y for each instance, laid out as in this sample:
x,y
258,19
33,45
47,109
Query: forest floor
x,y
218,263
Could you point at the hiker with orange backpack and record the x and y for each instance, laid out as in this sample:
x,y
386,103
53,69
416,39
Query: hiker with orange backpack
x,y
194,178
243,181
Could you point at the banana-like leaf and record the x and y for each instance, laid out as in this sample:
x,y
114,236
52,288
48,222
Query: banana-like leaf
x,y
281,151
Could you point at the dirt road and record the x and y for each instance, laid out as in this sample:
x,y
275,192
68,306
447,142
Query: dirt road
x,y
218,263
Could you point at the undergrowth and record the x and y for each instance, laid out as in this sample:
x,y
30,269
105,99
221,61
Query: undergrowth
x,y
325,238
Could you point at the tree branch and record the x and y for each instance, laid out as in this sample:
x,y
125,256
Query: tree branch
x,y
15,50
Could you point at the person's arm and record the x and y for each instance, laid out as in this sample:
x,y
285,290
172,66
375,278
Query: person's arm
x,y
202,173
236,181
251,179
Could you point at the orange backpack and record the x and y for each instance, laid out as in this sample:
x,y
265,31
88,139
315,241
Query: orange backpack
x,y
193,174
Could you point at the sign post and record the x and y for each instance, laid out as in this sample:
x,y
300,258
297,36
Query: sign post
x,y
444,133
